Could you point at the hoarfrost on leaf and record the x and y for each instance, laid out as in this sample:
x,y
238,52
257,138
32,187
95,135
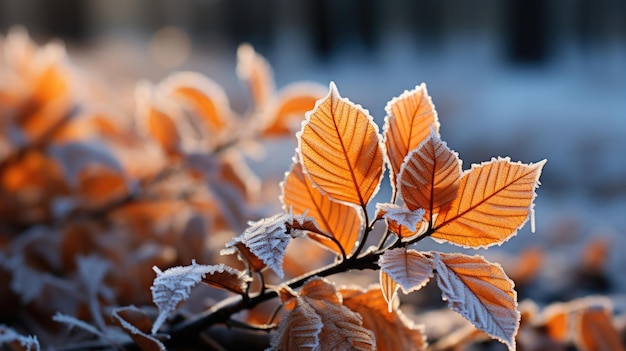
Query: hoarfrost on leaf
x,y
267,238
8,335
401,215
174,285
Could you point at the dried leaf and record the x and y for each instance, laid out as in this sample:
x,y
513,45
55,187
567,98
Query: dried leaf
x,y
137,324
430,176
401,216
340,149
267,239
481,292
401,332
341,328
174,285
287,109
201,95
409,269
341,221
409,120
495,200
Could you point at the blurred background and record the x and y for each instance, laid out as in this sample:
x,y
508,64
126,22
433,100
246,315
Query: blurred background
x,y
528,79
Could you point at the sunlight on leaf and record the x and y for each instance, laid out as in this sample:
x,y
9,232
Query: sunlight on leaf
x,y
495,200
254,70
393,329
481,292
340,220
409,120
429,177
340,149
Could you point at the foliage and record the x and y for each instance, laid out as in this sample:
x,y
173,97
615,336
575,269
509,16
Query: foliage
x,y
94,196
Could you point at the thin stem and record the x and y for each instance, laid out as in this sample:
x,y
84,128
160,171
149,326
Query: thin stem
x,y
366,233
223,311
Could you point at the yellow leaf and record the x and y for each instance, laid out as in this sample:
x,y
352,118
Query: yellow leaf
x,y
430,176
495,199
341,221
340,149
410,117
481,292
393,329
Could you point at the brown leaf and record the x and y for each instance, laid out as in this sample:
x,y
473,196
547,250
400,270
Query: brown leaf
x,y
596,332
495,200
341,221
137,325
430,176
481,292
229,279
410,117
394,330
340,150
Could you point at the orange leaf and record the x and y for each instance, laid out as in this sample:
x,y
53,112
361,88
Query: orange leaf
x,y
229,279
319,321
373,308
495,200
340,149
596,331
481,292
409,269
429,177
200,94
257,73
288,108
410,117
341,221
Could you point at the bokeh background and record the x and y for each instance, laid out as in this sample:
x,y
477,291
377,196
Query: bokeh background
x,y
527,79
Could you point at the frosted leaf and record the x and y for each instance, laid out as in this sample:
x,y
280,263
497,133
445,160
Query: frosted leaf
x,y
77,323
299,329
8,335
401,215
409,269
321,322
481,292
137,324
74,157
174,285
267,238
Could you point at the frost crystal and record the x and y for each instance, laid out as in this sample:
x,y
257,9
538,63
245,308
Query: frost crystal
x,y
267,239
174,285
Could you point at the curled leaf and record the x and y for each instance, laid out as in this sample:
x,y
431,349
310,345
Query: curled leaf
x,y
408,269
174,285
